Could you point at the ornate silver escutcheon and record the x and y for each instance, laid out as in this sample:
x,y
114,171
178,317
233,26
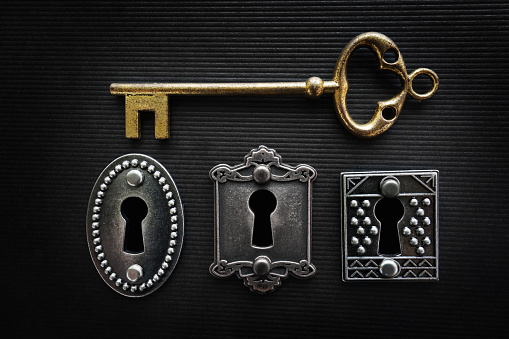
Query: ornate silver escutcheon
x,y
390,225
135,225
262,220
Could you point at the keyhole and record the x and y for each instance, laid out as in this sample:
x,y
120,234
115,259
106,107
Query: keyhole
x,y
134,210
262,203
389,212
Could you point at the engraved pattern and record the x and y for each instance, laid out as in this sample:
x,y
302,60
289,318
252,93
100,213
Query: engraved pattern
x,y
411,268
263,283
262,156
302,173
223,174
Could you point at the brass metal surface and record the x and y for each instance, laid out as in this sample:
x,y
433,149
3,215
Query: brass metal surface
x,y
380,45
157,103
434,79
154,96
230,89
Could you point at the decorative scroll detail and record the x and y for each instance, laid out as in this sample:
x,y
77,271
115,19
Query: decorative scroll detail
x,y
263,283
225,173
302,173
262,156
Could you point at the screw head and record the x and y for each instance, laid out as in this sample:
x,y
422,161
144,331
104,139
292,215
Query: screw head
x,y
261,174
389,187
261,265
134,178
389,268
134,273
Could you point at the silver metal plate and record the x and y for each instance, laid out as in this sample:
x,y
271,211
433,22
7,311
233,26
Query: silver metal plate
x,y
262,266
141,178
414,194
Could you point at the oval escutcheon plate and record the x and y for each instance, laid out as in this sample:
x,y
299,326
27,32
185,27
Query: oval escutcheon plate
x,y
135,225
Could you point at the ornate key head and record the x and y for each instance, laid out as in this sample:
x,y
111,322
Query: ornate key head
x,y
380,45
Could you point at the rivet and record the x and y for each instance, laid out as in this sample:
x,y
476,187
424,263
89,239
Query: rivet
x,y
134,178
134,272
389,268
389,187
261,265
261,174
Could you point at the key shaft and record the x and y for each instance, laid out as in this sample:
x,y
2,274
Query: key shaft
x,y
312,88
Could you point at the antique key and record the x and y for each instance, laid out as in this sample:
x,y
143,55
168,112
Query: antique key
x,y
154,96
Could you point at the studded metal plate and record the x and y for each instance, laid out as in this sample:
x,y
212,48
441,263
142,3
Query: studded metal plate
x,y
135,272
403,248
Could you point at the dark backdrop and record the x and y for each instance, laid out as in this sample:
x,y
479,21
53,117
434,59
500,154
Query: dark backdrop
x,y
60,127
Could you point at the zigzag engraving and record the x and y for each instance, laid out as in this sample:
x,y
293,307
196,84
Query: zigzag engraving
x,y
409,272
356,263
371,272
357,273
371,263
409,261
423,273
425,261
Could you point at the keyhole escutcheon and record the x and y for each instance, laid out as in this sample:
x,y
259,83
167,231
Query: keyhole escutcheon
x,y
134,210
262,203
389,211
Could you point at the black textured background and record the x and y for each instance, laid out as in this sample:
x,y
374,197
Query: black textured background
x,y
60,127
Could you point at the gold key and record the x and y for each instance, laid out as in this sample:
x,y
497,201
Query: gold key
x,y
154,97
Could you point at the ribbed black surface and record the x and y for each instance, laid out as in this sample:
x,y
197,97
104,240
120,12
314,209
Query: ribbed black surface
x,y
60,127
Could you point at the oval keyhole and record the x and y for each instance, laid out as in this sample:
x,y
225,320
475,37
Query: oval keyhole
x,y
262,203
389,212
134,210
